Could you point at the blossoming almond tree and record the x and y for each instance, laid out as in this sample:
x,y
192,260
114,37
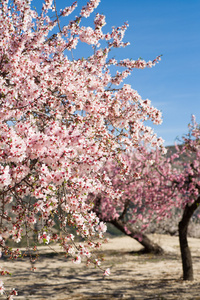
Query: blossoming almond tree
x,y
184,180
188,188
145,198
153,187
61,120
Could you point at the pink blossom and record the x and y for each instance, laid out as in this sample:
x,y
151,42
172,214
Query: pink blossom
x,y
1,288
77,259
107,272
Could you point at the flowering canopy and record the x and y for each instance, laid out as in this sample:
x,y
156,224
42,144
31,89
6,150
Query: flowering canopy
x,y
154,184
147,190
61,120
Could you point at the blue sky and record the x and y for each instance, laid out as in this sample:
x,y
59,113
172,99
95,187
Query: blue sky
x,y
170,28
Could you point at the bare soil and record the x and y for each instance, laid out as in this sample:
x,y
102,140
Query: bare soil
x,y
133,276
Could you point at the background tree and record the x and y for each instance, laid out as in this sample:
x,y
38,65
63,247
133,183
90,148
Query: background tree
x,y
188,186
61,120
144,195
153,187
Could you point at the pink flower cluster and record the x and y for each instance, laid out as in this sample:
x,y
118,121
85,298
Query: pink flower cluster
x,y
89,8
68,10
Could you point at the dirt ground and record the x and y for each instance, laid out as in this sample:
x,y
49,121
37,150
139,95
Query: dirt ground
x,y
132,276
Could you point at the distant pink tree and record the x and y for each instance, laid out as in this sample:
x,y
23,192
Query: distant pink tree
x,y
145,194
188,189
61,120
155,185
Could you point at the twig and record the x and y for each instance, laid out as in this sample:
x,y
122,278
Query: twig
x,y
57,17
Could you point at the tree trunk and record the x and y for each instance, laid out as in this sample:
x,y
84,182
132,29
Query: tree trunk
x,y
184,247
149,246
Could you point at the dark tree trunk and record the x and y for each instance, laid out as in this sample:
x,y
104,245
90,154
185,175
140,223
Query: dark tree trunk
x,y
149,246
184,247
